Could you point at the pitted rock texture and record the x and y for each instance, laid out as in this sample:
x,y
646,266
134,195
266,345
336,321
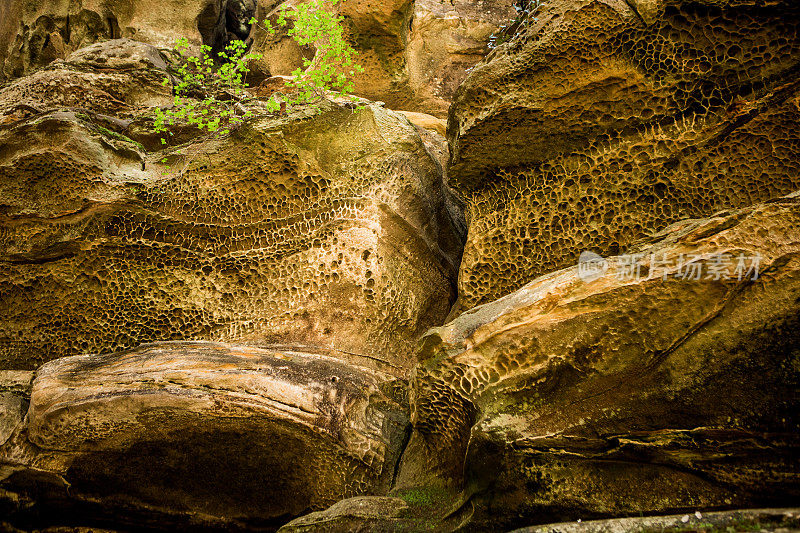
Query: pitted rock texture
x,y
34,33
597,126
415,53
235,434
652,387
332,230
120,77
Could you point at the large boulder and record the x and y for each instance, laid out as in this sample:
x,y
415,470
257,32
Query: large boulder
x,y
331,229
200,434
602,122
661,381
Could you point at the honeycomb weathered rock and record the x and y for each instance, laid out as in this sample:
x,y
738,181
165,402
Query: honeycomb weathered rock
x,y
666,380
330,230
597,126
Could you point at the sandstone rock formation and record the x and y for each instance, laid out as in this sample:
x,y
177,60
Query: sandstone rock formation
x,y
329,236
415,53
604,122
116,79
740,520
331,231
667,382
445,41
15,393
222,332
203,435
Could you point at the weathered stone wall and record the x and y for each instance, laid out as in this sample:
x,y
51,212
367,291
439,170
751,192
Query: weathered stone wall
x,y
639,391
331,231
415,53
596,127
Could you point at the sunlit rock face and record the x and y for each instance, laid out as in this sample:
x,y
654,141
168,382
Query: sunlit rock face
x,y
415,54
656,381
331,230
446,40
600,124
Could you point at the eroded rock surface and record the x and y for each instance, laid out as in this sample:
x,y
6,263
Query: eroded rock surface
x,y
741,520
446,40
600,124
116,79
34,33
330,230
203,433
15,393
626,393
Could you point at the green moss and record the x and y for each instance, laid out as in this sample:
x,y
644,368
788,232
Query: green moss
x,y
424,496
118,136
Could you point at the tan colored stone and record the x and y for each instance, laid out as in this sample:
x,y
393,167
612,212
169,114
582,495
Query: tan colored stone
x,y
429,122
329,231
620,395
120,77
15,391
593,129
37,33
235,433
446,40
414,53
333,230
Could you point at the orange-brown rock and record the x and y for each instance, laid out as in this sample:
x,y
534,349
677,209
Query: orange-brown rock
x,y
414,54
446,40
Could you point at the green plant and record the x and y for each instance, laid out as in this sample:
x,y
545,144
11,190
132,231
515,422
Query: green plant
x,y
316,24
205,95
210,93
